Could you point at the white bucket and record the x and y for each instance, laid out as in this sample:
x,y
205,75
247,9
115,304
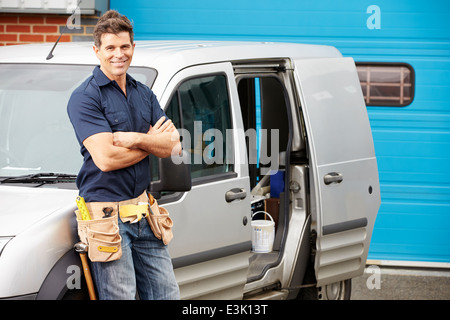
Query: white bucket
x,y
263,234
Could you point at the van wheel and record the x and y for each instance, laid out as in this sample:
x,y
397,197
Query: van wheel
x,y
335,291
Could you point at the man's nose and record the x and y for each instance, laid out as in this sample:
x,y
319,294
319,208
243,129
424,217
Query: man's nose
x,y
118,52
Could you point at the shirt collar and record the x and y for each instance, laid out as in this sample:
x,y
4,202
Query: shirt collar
x,y
103,80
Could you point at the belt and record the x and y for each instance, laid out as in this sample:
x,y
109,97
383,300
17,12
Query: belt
x,y
131,210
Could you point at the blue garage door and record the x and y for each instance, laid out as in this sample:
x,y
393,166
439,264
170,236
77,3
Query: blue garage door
x,y
412,143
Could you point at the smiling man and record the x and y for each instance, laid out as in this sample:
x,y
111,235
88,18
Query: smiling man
x,y
118,123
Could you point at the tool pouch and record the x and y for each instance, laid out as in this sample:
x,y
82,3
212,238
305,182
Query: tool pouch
x,y
159,221
102,237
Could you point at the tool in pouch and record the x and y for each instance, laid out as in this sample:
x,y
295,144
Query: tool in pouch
x,y
159,221
100,231
82,248
82,208
156,216
108,212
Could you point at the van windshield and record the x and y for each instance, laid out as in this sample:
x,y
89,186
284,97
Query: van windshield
x,y
36,135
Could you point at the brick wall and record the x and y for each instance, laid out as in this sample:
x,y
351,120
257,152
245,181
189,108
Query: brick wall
x,y
18,28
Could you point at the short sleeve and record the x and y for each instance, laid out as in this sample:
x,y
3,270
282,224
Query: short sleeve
x,y
85,113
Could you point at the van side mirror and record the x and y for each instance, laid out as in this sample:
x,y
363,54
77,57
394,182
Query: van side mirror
x,y
174,174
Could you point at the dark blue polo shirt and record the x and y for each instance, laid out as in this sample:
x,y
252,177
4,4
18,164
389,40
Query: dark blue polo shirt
x,y
99,105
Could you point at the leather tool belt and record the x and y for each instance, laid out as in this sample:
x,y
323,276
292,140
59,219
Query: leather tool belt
x,y
101,233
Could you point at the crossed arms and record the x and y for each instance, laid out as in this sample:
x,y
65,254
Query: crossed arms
x,y
118,150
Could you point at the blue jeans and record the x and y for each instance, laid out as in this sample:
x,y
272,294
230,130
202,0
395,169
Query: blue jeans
x,y
145,265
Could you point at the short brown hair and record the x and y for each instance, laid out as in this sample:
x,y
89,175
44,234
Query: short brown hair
x,y
112,22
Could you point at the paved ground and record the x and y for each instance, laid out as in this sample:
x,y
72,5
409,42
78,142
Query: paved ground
x,y
388,283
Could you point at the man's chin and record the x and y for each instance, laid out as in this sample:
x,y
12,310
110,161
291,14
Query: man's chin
x,y
118,72
114,72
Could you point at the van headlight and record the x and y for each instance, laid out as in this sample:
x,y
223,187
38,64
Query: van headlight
x,y
3,242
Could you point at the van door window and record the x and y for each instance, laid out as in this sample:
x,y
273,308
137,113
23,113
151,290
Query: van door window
x,y
201,108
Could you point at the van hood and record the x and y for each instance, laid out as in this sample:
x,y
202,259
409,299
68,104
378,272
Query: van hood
x,y
21,207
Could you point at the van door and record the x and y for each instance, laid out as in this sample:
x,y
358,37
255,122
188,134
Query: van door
x,y
212,235
345,193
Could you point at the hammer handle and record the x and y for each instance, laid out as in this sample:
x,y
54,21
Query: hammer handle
x,y
87,275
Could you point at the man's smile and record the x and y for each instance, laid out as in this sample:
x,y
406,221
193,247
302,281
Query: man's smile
x,y
119,63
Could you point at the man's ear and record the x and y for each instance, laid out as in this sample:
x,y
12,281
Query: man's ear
x,y
95,50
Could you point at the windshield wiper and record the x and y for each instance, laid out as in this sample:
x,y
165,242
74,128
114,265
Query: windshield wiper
x,y
42,178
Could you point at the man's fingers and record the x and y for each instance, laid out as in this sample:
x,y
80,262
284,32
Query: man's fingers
x,y
155,128
161,126
166,125
160,121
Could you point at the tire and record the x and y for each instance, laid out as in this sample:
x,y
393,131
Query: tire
x,y
336,291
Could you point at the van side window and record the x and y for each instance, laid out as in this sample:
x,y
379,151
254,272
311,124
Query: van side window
x,y
386,84
201,108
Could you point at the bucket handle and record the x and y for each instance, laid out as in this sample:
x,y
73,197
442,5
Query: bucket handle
x,y
264,213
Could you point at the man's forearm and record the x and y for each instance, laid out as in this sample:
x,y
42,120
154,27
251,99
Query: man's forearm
x,y
109,157
162,145
120,158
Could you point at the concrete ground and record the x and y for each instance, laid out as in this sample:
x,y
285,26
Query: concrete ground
x,y
393,283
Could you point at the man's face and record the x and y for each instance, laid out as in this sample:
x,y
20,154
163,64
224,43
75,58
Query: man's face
x,y
115,54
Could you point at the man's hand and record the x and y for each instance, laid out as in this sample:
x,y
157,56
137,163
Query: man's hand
x,y
131,140
161,126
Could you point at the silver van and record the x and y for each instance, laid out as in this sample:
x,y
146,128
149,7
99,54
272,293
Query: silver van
x,y
271,132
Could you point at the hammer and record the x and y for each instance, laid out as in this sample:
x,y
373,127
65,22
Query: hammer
x,y
82,248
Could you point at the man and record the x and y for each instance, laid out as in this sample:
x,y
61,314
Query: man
x,y
119,122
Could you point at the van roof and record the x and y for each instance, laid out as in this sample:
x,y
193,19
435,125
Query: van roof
x,y
157,54
167,57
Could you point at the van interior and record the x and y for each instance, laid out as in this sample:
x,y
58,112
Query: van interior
x,y
264,106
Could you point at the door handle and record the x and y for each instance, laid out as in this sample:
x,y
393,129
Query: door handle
x,y
333,177
234,194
